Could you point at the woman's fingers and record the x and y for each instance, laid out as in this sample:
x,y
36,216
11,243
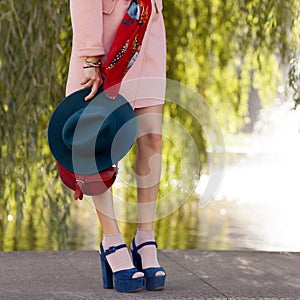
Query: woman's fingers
x,y
94,90
93,79
85,80
87,83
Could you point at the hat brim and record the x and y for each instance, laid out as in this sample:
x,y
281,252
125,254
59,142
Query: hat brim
x,y
121,145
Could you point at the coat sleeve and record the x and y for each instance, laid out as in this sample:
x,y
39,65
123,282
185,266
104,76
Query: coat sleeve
x,y
87,24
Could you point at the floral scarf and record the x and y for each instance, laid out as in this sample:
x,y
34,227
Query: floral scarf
x,y
126,45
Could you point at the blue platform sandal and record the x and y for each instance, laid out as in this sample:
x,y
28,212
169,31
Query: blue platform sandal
x,y
152,282
122,280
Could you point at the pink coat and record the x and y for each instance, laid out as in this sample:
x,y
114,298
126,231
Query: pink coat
x,y
94,24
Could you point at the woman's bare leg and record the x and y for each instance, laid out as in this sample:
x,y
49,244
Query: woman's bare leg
x,y
105,212
119,260
148,168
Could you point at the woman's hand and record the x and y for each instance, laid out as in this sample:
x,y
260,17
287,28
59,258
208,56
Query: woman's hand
x,y
92,78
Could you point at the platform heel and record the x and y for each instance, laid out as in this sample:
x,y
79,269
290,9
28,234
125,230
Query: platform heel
x,y
151,281
121,281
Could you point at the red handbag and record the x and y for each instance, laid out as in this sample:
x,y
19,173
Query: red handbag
x,y
92,184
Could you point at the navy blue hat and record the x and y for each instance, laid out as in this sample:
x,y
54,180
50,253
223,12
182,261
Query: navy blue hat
x,y
87,137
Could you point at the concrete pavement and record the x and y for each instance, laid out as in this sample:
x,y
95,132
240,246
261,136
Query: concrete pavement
x,y
191,274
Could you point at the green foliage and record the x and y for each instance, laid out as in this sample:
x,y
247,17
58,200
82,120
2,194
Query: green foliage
x,y
214,47
33,73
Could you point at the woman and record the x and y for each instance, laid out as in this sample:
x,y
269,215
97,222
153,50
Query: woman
x,y
94,24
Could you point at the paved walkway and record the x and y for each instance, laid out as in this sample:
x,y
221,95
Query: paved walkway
x,y
192,274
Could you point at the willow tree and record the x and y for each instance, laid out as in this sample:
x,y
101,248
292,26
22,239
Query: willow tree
x,y
216,47
34,53
213,46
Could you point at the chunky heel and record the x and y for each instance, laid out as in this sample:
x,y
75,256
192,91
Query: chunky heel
x,y
152,282
137,261
107,274
122,280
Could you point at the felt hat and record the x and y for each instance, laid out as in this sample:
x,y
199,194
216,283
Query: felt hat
x,y
87,137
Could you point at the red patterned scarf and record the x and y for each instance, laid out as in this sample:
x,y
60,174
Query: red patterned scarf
x,y
126,45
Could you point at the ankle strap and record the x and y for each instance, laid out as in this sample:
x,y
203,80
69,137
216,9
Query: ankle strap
x,y
145,244
111,250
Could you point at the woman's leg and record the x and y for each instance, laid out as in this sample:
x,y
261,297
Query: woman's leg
x,y
120,260
148,163
148,168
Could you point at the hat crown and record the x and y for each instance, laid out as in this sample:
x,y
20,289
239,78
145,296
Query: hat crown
x,y
88,132
87,137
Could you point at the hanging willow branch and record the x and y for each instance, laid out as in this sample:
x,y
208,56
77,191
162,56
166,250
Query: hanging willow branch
x,y
32,81
213,46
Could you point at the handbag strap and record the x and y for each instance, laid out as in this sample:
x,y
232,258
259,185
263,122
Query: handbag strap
x,y
79,185
103,176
